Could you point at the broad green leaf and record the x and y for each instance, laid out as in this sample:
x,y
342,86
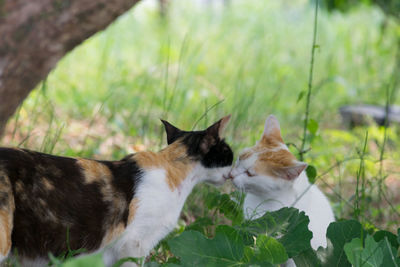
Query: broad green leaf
x,y
307,258
398,236
90,260
353,250
358,256
380,235
194,249
373,254
288,225
312,126
311,173
338,234
390,256
268,249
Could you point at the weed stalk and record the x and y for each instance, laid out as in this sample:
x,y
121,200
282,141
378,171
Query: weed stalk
x,y
310,80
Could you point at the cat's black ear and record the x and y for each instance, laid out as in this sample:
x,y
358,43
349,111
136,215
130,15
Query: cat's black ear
x,y
172,132
216,130
213,133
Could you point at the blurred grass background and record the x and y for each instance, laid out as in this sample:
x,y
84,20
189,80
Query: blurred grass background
x,y
249,59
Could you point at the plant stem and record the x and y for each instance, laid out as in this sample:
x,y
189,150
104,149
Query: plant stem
x,y
310,79
360,175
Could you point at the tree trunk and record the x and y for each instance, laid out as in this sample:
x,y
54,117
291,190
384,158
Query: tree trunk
x,y
35,34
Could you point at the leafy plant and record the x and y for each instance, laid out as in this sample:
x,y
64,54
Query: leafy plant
x,y
268,240
371,253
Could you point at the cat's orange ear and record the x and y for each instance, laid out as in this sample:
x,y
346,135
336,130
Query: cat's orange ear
x,y
291,172
217,129
172,132
272,130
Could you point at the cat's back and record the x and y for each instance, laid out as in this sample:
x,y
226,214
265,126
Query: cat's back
x,y
317,207
25,164
54,196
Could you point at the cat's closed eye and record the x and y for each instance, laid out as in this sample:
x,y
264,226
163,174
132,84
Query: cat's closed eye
x,y
250,173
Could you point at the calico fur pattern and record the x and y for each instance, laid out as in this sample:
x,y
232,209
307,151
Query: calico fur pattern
x,y
50,196
123,208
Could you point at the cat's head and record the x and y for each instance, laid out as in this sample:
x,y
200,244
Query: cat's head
x,y
269,165
207,149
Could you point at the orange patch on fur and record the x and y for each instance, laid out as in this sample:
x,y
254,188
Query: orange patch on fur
x,y
47,184
173,159
271,141
132,209
6,218
268,162
5,233
94,171
112,234
19,187
246,155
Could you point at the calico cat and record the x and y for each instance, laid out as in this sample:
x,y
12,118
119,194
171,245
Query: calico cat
x,y
121,208
273,178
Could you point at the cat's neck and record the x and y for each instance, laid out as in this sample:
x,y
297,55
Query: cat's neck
x,y
258,204
173,160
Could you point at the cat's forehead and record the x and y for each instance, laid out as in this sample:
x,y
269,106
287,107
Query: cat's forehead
x,y
265,145
278,158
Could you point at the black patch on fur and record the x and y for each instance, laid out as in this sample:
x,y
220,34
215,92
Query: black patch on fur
x,y
3,199
43,217
124,171
219,153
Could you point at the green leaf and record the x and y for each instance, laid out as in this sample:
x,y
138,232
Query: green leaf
x,y
156,264
380,235
301,95
127,259
90,260
338,234
200,225
398,236
312,126
288,225
231,209
390,256
194,249
307,258
227,205
270,250
373,254
311,173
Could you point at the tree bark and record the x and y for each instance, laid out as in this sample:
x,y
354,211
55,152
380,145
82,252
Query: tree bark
x,y
36,34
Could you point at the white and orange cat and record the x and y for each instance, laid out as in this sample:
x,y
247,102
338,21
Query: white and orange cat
x,y
273,178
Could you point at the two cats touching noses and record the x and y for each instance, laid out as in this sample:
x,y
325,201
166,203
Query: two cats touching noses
x,y
124,208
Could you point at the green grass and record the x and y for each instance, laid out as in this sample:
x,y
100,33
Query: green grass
x,y
250,60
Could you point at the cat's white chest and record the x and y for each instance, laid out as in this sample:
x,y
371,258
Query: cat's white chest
x,y
303,196
157,214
